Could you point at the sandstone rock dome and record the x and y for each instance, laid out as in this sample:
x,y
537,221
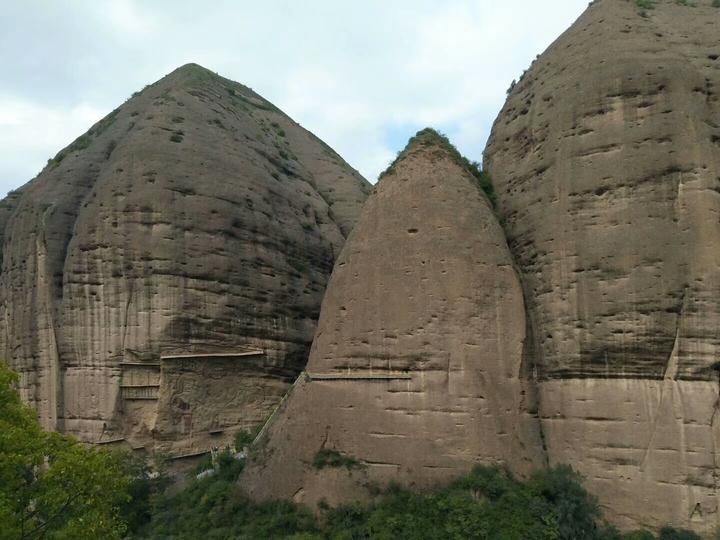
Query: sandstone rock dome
x,y
162,276
606,160
417,369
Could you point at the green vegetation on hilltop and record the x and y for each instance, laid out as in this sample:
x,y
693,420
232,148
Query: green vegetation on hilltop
x,y
644,5
55,488
196,76
429,137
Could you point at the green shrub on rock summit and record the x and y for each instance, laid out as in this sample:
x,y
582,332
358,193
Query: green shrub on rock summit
x,y
429,137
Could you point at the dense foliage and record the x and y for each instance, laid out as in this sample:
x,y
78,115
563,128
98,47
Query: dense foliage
x,y
53,487
486,504
50,485
332,458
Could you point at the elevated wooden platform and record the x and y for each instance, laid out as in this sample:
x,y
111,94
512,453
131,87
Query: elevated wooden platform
x,y
256,352
141,364
110,441
356,376
189,455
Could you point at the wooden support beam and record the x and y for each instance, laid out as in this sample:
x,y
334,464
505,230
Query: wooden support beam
x,y
357,376
191,454
110,441
256,352
141,364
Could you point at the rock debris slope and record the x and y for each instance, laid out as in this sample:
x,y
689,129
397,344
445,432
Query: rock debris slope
x,y
606,159
416,371
162,276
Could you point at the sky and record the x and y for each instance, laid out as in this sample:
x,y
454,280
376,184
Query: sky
x,y
363,76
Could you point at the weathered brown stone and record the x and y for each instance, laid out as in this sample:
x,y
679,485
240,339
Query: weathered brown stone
x,y
195,218
416,369
606,160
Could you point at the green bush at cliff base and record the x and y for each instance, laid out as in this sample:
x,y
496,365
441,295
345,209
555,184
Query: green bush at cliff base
x,y
431,137
51,486
214,508
146,482
54,488
486,504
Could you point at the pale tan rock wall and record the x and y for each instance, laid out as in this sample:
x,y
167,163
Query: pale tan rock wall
x,y
195,217
416,369
607,166
647,448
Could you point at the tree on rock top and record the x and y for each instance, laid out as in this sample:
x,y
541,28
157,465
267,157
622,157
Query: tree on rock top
x,y
428,138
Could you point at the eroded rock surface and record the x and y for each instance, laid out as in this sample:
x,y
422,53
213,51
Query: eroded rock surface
x,y
195,219
606,159
416,371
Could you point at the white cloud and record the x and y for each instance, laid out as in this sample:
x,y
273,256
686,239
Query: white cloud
x,y
323,102
30,134
126,18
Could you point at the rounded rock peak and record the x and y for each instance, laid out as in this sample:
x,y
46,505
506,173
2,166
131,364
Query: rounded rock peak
x,y
434,145
416,371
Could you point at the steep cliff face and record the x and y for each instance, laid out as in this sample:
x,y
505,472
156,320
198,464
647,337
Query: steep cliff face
x,y
416,369
186,238
606,159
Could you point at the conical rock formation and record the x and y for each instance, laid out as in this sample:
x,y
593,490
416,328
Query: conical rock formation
x,y
606,160
416,371
162,276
